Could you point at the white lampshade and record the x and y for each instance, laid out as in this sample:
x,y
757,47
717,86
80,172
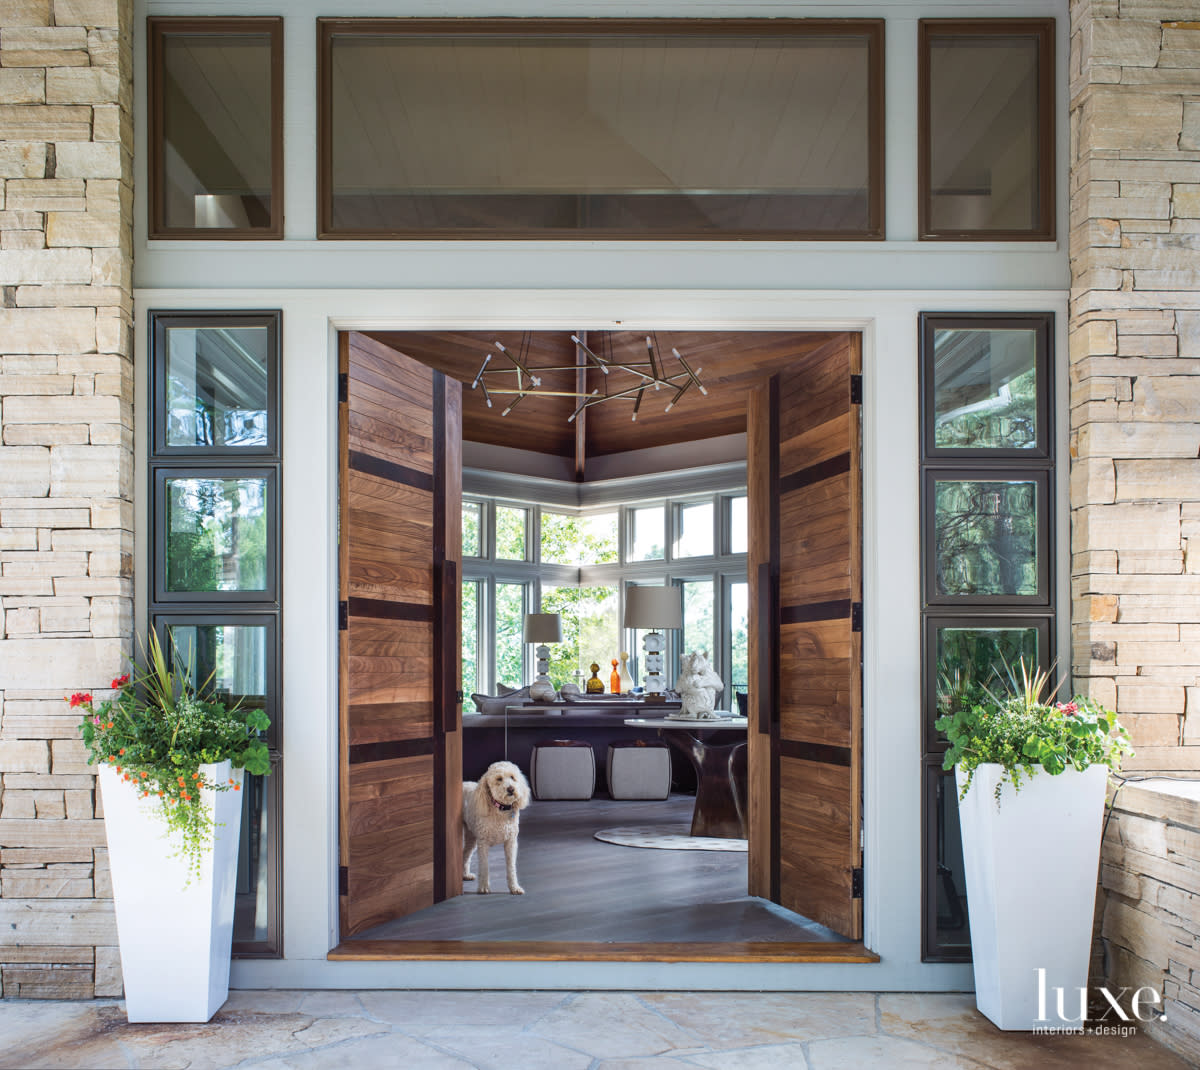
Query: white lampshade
x,y
543,628
654,607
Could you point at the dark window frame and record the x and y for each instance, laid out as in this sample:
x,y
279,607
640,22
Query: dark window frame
x,y
161,324
933,742
976,611
329,28
269,473
157,28
931,950
1038,322
1044,30
1040,477
165,619
228,607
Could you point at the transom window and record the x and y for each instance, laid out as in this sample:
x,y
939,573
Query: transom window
x,y
601,128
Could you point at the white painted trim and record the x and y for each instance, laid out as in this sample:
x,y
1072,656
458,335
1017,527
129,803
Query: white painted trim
x,y
891,753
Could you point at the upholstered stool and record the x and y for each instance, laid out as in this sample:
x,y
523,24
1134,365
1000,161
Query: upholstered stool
x,y
639,770
563,769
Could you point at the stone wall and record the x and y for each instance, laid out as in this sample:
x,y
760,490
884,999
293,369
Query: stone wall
x,y
1150,878
66,472
1135,368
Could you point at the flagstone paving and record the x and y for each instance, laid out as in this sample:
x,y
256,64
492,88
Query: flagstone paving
x,y
300,1030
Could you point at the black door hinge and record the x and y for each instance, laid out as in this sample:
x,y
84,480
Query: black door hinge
x,y
343,880
856,620
856,389
458,696
343,616
344,387
856,883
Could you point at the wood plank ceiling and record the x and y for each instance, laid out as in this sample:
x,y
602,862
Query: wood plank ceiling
x,y
729,363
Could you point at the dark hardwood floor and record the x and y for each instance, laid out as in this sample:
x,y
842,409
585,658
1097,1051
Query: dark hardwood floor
x,y
580,889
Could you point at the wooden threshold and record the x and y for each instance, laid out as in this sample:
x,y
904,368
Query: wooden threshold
x,y
570,951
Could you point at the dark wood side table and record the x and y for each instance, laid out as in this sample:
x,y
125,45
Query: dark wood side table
x,y
720,796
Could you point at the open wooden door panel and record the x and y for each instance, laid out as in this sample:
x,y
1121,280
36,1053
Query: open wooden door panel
x,y
400,546
805,568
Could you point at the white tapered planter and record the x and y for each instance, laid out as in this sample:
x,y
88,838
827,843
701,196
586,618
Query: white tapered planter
x,y
1031,866
176,937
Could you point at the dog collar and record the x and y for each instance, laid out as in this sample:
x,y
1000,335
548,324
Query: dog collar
x,y
501,806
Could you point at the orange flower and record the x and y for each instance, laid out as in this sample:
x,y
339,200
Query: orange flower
x,y
187,796
109,725
237,787
118,768
121,751
112,757
231,780
195,776
145,776
181,783
160,794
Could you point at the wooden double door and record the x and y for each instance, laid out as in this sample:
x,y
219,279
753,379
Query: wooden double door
x,y
400,712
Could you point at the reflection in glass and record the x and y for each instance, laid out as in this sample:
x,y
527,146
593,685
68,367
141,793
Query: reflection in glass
x,y
694,537
985,389
972,659
638,133
216,534
216,108
510,533
739,531
471,528
470,638
697,617
649,534
983,133
217,386
739,638
251,912
510,634
951,928
986,540
233,655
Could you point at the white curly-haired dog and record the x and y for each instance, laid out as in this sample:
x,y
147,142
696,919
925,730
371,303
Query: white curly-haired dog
x,y
491,810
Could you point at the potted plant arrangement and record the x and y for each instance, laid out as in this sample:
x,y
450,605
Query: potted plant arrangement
x,y
170,760
1032,775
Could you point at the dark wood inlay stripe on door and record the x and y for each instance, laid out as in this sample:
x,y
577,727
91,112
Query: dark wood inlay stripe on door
x,y
389,470
389,751
381,610
815,473
823,753
814,611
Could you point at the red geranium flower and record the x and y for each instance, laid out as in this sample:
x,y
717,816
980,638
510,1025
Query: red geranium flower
x,y
121,680
1068,708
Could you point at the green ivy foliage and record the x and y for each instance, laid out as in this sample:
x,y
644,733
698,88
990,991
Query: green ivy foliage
x,y
1022,732
157,730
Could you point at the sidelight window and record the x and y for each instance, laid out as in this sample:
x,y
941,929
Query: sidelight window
x,y
987,533
216,559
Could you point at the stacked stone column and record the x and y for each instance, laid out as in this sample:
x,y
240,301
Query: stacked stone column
x,y
66,472
1135,369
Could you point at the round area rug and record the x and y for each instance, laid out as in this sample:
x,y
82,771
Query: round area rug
x,y
668,838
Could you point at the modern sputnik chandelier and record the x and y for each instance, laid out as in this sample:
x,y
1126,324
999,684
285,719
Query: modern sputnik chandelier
x,y
524,381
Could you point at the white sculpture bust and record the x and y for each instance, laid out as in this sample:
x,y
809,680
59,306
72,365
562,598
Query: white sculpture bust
x,y
698,686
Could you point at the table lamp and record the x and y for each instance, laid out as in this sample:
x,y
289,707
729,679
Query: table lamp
x,y
543,628
654,608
